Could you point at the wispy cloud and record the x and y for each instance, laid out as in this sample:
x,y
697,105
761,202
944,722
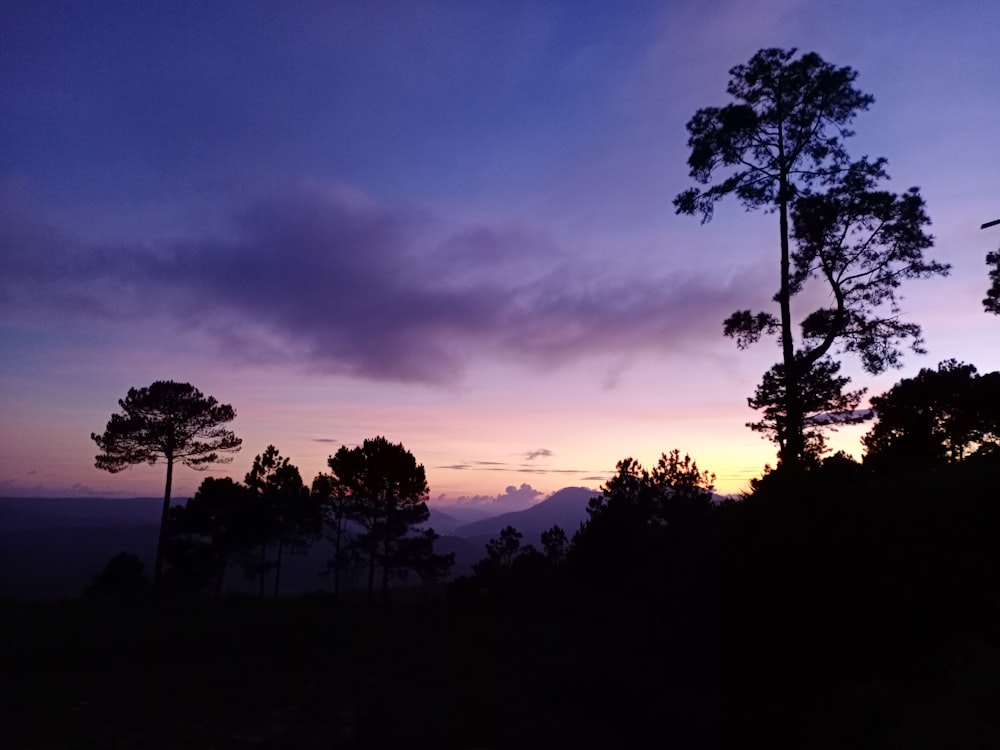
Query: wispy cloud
x,y
540,453
326,280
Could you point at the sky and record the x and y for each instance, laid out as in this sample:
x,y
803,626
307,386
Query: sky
x,y
447,223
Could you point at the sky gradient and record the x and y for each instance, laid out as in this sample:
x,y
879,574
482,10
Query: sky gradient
x,y
448,223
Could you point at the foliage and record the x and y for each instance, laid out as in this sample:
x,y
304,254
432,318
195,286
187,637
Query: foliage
x,y
938,417
511,569
555,545
822,395
674,488
784,132
336,509
992,300
627,534
780,147
502,551
171,421
290,516
385,492
219,524
123,578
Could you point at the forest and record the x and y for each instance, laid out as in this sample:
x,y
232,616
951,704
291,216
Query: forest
x,y
836,603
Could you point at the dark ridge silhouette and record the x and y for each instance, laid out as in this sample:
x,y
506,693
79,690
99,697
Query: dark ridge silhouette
x,y
58,562
53,512
566,508
442,521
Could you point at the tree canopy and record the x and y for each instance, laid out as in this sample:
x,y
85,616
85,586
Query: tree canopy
x,y
633,523
938,417
221,522
385,492
992,300
290,516
780,146
168,421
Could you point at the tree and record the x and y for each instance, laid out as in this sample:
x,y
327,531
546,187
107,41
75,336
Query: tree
x,y
122,578
822,395
220,522
672,490
639,513
290,517
508,563
171,421
939,417
992,300
555,544
503,550
781,148
336,507
385,492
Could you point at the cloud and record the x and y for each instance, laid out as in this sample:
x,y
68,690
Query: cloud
x,y
328,281
540,453
511,499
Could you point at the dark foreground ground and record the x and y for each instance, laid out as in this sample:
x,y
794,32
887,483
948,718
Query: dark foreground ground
x,y
310,673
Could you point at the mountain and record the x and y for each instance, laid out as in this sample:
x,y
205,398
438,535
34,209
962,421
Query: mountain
x,y
51,547
61,512
445,522
566,508
448,517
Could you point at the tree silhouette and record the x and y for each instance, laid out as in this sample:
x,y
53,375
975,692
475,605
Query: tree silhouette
x,y
336,507
555,545
822,395
385,492
504,549
626,534
992,301
291,517
224,517
510,566
171,421
780,147
122,578
938,417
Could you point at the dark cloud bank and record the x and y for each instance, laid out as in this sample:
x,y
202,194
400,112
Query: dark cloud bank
x,y
324,279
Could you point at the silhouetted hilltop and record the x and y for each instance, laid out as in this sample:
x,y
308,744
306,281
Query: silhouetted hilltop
x,y
61,512
566,508
444,522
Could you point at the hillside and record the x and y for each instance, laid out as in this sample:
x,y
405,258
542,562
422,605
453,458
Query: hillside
x,y
566,508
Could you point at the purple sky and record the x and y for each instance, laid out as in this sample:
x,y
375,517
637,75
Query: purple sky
x,y
448,223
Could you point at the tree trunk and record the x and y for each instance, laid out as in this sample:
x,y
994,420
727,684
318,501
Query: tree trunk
x,y
371,574
220,576
277,567
791,457
385,566
161,542
336,563
260,571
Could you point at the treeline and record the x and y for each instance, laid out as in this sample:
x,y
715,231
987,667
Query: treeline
x,y
838,603
371,506
853,601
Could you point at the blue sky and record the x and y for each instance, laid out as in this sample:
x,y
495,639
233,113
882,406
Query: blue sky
x,y
446,222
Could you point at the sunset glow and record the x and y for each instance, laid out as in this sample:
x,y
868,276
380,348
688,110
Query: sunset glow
x,y
448,224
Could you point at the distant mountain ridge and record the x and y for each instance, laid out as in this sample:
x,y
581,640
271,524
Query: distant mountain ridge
x,y
51,547
62,512
566,508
